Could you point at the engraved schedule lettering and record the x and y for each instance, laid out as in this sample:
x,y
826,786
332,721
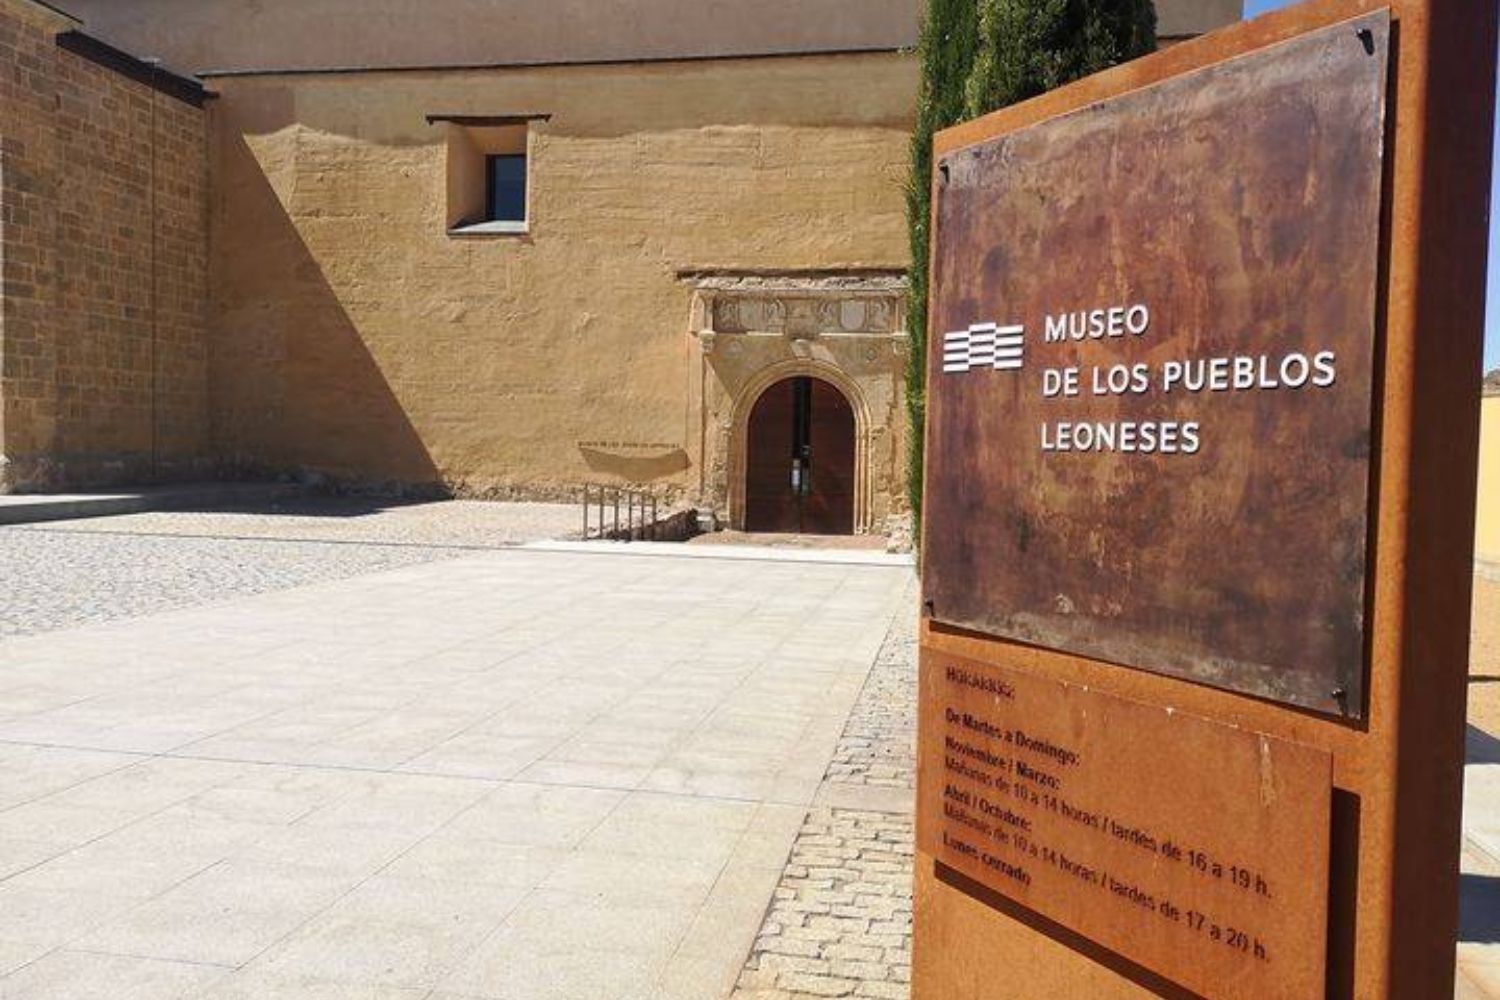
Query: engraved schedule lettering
x,y
1178,842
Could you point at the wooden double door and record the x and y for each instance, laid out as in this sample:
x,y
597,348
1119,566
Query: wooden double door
x,y
800,462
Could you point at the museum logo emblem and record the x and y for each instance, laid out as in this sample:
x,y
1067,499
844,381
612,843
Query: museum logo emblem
x,y
984,345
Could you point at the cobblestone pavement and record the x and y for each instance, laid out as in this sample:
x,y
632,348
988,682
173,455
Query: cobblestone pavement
x,y
369,520
64,574
57,578
839,924
879,745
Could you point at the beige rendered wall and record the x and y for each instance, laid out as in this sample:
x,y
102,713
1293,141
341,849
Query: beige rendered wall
x,y
1177,19
1487,531
199,35
103,369
352,335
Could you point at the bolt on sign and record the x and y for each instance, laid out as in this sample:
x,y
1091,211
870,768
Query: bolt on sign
x,y
1210,867
1153,354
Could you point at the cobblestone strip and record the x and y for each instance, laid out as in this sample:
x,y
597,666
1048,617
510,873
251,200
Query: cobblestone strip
x,y
69,573
64,579
365,520
879,744
839,924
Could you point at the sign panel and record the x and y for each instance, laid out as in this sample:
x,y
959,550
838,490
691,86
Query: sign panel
x,y
1151,374
1195,849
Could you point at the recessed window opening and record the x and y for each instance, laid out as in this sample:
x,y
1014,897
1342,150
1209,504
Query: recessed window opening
x,y
506,175
489,179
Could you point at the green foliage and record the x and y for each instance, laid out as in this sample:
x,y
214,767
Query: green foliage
x,y
977,56
946,50
1028,47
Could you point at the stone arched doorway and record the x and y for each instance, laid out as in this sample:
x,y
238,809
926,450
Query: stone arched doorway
x,y
756,330
800,462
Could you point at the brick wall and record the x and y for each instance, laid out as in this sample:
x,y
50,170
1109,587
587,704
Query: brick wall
x,y
103,185
28,363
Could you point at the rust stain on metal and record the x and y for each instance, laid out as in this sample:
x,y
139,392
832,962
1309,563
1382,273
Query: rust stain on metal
x,y
1195,849
1202,256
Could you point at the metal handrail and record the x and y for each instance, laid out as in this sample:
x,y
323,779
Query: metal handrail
x,y
604,503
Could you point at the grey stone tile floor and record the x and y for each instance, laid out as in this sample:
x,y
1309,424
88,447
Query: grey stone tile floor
x,y
504,774
355,758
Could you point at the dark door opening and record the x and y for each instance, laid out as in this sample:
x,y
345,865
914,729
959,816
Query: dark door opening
x,y
799,472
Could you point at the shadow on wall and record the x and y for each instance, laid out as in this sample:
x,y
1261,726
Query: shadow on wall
x,y
293,384
729,99
635,468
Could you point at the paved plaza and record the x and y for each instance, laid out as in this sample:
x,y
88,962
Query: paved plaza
x,y
347,750
498,774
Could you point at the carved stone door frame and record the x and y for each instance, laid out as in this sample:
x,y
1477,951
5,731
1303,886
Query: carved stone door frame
x,y
848,329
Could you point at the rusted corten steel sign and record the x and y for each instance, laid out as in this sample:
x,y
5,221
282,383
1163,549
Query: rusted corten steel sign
x,y
1209,867
1153,346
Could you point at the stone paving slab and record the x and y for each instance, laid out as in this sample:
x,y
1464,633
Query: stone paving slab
x,y
860,556
508,775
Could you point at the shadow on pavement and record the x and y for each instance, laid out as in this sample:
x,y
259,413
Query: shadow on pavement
x,y
1479,909
1480,747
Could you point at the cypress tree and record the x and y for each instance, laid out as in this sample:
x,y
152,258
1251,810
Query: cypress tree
x,y
1027,47
977,56
945,50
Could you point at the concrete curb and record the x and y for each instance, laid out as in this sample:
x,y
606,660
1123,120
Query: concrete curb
x,y
837,557
866,798
34,508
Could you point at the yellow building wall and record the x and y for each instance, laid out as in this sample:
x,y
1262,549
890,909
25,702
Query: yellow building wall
x,y
352,335
1487,528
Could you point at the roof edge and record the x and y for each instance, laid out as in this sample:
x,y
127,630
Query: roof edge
x,y
59,18
551,63
143,71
